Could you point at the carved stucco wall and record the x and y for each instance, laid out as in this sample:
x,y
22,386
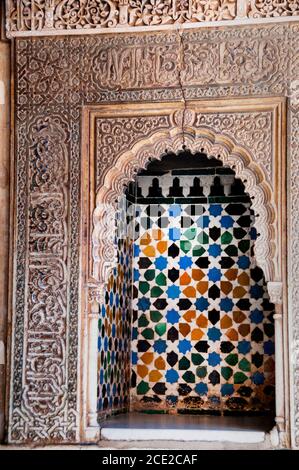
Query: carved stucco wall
x,y
46,16
55,77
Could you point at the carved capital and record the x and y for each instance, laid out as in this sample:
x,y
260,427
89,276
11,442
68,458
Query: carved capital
x,y
96,294
275,290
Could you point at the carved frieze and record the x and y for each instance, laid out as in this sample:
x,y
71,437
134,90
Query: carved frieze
x,y
46,16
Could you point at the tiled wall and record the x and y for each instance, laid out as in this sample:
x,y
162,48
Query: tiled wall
x,y
203,332
189,327
115,325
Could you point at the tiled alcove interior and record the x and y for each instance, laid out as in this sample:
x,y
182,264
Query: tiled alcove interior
x,y
187,324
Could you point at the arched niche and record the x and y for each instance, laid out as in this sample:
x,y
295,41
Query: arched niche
x,y
200,140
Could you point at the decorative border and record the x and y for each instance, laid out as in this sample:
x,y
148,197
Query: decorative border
x,y
48,17
121,139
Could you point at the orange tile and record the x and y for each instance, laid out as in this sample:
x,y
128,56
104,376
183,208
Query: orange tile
x,y
147,357
202,286
238,316
226,322
197,274
232,334
189,292
231,274
145,239
244,279
157,234
226,287
196,334
185,279
184,328
142,371
190,315
202,321
160,363
154,376
269,365
244,329
149,251
239,292
161,246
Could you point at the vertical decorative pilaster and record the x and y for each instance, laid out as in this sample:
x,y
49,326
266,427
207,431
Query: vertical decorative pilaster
x,y
275,290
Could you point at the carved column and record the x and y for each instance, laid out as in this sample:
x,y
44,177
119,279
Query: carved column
x,y
92,430
275,293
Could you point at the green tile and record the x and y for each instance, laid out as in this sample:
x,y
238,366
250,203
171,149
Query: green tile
x,y
201,371
189,377
185,245
244,365
156,291
144,287
226,238
155,316
184,363
142,388
232,359
197,359
148,333
239,378
160,329
149,274
161,280
244,245
198,250
190,233
203,238
142,320
226,372
231,250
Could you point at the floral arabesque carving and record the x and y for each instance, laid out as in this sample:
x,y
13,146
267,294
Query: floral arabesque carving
x,y
128,163
273,8
44,16
44,379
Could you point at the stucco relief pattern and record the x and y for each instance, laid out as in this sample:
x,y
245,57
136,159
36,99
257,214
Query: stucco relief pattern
x,y
44,399
115,135
55,77
252,130
46,15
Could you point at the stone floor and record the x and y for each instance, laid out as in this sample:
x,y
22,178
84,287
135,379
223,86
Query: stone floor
x,y
144,427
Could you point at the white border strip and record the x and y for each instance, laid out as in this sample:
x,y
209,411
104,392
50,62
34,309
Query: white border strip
x,y
142,29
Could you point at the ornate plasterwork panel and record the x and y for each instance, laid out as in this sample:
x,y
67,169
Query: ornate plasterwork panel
x,y
55,78
126,140
48,16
